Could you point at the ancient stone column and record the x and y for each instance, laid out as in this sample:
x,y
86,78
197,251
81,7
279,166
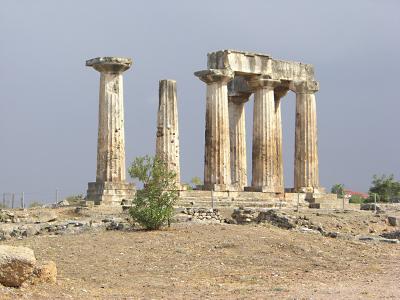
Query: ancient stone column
x,y
237,136
217,169
306,177
238,95
167,144
110,187
265,162
279,92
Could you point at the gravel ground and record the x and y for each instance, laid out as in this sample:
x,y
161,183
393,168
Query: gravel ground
x,y
215,261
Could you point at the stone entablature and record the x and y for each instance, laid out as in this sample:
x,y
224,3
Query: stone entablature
x,y
248,63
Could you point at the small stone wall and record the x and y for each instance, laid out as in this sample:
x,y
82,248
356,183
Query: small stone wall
x,y
203,214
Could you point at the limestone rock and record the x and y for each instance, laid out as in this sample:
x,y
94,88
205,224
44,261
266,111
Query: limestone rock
x,y
370,206
63,203
394,221
391,235
45,272
276,218
16,265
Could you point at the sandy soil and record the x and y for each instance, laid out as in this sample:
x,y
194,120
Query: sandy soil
x,y
194,261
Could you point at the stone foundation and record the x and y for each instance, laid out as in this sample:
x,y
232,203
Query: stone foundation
x,y
215,199
110,193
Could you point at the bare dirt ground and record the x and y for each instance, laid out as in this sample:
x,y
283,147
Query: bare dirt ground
x,y
220,261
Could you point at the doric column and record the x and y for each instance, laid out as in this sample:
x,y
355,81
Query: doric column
x,y
279,92
306,177
167,144
237,136
217,169
265,163
110,186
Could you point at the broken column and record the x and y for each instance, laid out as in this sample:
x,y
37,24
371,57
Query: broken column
x,y
167,144
110,187
279,92
306,174
217,169
265,163
238,95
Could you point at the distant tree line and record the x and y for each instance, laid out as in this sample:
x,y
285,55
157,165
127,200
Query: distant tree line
x,y
384,187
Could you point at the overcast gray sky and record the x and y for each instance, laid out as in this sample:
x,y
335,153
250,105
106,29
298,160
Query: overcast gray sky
x,y
49,99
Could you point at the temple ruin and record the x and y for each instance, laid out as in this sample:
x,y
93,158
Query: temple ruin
x,y
231,78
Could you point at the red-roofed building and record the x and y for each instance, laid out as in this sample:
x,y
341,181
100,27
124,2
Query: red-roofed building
x,y
350,193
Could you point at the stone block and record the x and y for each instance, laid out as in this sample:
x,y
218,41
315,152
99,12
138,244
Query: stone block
x,y
16,265
110,193
394,221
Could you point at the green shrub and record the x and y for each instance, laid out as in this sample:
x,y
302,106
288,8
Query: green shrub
x,y
196,181
153,205
338,189
385,187
357,199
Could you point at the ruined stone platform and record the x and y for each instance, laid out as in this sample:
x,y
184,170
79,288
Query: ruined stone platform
x,y
110,193
201,198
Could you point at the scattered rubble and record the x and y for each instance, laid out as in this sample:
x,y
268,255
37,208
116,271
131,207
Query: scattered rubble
x,y
206,215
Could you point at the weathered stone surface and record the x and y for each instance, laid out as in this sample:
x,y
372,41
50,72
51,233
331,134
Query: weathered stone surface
x,y
394,221
199,214
392,235
110,64
265,163
16,265
270,80
237,137
279,93
249,63
370,206
110,193
45,272
306,173
217,169
111,136
276,218
167,143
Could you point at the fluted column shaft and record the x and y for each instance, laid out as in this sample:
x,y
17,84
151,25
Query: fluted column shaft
x,y
167,143
265,167
237,136
306,173
279,92
111,137
110,187
217,169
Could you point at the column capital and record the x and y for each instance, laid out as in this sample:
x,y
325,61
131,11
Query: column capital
x,y
304,87
262,82
109,64
280,91
215,75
